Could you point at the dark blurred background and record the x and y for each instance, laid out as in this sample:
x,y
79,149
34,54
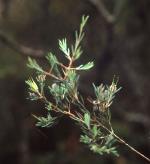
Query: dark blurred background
x,y
117,39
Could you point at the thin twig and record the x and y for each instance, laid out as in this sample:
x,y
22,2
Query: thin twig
x,y
110,18
68,68
123,142
131,148
24,50
52,75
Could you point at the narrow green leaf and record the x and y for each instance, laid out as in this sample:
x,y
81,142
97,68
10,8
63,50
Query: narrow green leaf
x,y
83,22
85,139
53,61
76,53
94,130
32,85
86,66
45,121
87,119
49,107
64,48
34,65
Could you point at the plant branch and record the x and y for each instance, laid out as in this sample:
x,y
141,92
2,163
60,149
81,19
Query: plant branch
x,y
110,18
68,68
97,131
131,148
52,75
73,116
26,51
124,143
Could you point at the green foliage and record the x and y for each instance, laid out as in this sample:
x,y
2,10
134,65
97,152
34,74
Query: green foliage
x,y
87,119
95,123
86,66
63,47
45,121
51,58
104,149
76,48
32,85
85,139
34,65
105,95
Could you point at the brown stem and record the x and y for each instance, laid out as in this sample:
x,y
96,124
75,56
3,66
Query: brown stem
x,y
68,68
125,143
131,148
51,75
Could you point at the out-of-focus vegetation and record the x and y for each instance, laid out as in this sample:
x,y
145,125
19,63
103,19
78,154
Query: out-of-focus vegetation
x,y
117,38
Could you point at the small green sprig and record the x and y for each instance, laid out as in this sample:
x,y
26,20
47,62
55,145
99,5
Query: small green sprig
x,y
94,119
